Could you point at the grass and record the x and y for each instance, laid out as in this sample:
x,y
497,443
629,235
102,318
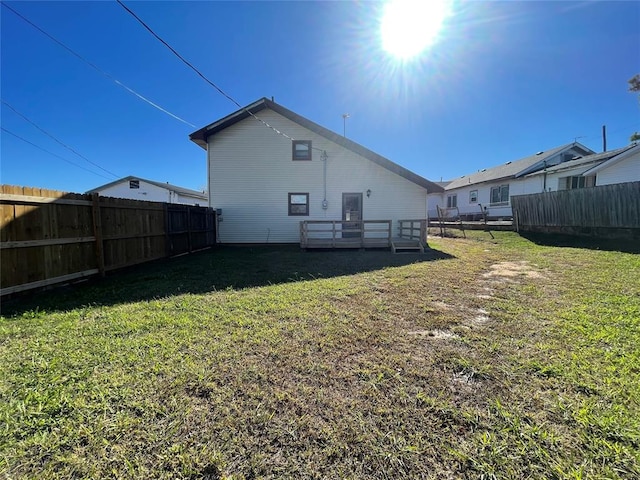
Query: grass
x,y
490,359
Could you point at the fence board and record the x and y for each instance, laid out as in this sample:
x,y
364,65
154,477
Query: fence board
x,y
590,211
48,236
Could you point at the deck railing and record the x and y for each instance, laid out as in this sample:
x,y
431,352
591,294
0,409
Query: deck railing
x,y
413,230
345,234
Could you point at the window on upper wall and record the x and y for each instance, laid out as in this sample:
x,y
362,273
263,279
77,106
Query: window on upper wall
x,y
452,201
473,196
301,149
500,195
299,204
580,182
134,183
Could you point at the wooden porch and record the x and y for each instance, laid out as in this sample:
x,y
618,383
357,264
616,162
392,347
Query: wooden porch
x,y
412,234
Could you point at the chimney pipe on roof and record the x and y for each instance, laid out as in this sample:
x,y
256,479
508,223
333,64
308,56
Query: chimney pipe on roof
x,y
604,138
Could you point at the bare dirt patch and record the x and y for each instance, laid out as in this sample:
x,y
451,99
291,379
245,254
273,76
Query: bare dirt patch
x,y
510,270
434,334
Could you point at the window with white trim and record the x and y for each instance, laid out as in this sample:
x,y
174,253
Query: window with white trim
x,y
452,200
580,182
500,195
473,196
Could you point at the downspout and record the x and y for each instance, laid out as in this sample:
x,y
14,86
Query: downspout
x,y
325,204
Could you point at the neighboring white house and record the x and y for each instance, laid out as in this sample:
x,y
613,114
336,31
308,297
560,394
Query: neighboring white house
x,y
624,167
137,188
265,183
491,188
615,166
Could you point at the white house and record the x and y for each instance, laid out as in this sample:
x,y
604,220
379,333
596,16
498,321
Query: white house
x,y
136,188
615,166
624,167
491,188
266,174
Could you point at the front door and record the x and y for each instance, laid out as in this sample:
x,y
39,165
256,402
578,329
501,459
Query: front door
x,y
351,212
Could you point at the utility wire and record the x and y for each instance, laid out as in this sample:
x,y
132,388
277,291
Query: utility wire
x,y
51,153
200,74
58,141
95,67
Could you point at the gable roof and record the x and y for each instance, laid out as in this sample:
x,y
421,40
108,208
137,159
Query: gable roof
x,y
585,161
201,136
515,168
168,186
624,153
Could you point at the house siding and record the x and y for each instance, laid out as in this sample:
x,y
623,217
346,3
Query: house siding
x,y
251,173
147,191
150,193
627,170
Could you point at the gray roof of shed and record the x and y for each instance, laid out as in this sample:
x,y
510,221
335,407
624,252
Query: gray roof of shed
x,y
200,137
511,169
169,186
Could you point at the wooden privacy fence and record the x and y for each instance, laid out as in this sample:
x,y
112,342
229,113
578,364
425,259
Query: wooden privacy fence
x,y
49,237
608,210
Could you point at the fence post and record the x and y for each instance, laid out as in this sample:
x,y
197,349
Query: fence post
x,y
97,232
189,228
167,226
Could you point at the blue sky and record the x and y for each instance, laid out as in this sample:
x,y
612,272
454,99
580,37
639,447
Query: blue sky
x,y
503,81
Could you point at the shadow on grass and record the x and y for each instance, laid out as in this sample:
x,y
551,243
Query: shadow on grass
x,y
218,269
591,243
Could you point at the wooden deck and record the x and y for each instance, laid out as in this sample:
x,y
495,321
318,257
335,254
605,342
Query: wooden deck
x,y
342,234
363,234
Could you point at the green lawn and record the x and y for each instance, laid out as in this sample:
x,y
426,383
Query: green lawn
x,y
486,359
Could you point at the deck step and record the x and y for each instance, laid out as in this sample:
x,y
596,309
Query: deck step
x,y
407,246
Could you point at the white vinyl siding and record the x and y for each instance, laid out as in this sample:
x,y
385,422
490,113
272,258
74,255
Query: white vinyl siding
x,y
627,170
149,192
251,173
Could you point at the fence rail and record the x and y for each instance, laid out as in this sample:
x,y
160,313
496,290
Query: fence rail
x,y
413,230
49,237
345,234
608,210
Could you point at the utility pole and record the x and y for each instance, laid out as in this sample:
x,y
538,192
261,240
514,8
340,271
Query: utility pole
x,y
344,124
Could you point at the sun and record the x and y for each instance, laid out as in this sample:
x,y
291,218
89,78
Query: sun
x,y
408,27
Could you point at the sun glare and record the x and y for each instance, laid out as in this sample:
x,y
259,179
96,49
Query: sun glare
x,y
408,27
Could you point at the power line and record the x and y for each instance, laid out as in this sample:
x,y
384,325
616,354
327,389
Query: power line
x,y
95,67
200,74
61,143
51,153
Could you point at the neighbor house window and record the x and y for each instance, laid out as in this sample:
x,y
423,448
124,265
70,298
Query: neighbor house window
x,y
452,201
580,182
500,194
134,183
473,196
299,204
302,150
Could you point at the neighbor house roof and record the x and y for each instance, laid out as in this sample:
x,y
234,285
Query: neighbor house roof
x,y
625,153
168,186
201,136
516,168
585,161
